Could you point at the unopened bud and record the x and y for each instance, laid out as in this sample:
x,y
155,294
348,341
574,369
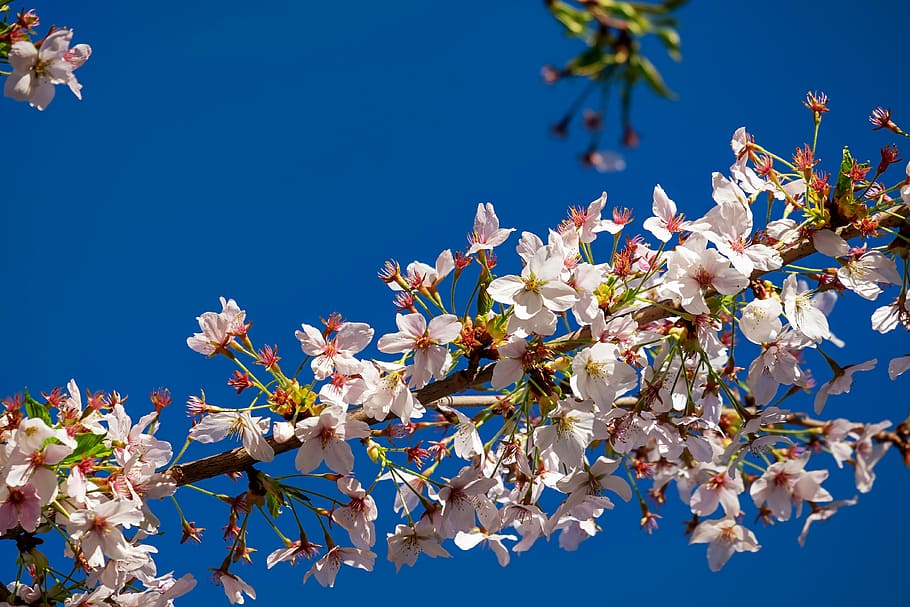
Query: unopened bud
x,y
374,451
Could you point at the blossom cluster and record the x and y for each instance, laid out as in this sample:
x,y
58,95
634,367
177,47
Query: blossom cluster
x,y
639,395
88,474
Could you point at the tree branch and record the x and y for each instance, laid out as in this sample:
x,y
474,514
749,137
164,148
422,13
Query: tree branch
x,y
442,391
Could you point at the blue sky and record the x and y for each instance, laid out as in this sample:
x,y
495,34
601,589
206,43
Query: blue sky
x,y
278,156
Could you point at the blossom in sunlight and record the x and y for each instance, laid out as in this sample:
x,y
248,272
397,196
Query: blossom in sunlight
x,y
537,293
357,515
802,313
724,537
337,352
323,438
218,328
729,227
326,569
785,483
234,587
665,222
428,342
36,71
217,426
599,375
840,383
99,530
409,541
693,267
487,233
468,540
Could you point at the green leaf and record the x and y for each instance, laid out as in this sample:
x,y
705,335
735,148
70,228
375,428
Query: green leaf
x,y
575,21
591,62
670,38
35,409
88,446
844,185
274,504
644,67
846,208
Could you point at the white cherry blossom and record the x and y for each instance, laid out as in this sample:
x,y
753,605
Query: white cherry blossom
x,y
427,342
724,537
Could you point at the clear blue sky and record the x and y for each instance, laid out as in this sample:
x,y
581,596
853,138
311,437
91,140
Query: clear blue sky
x,y
279,154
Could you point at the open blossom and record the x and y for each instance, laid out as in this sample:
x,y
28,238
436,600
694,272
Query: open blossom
x,y
538,291
786,482
599,375
724,537
840,383
35,72
862,271
357,516
419,275
799,309
868,453
98,529
19,506
729,227
720,489
218,328
777,364
323,438
428,342
665,221
475,537
407,542
234,587
760,320
487,233
588,222
693,267
459,499
567,435
326,569
337,352
217,426
389,392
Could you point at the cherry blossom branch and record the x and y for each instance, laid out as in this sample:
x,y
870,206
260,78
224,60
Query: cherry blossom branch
x,y
443,391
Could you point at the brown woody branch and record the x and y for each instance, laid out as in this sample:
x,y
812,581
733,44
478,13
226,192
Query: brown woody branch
x,y
443,390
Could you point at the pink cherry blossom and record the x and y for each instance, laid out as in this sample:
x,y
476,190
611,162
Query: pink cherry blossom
x,y
324,438
724,537
234,587
98,529
217,426
337,352
218,328
840,383
326,569
786,482
665,221
693,267
408,542
35,72
357,515
487,234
